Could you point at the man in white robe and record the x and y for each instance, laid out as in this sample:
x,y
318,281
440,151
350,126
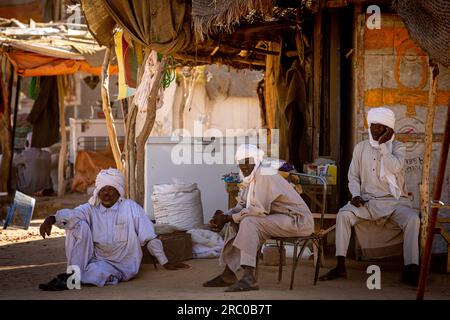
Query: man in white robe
x,y
104,237
268,207
377,183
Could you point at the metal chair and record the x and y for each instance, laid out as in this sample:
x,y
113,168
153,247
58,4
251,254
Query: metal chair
x,y
315,238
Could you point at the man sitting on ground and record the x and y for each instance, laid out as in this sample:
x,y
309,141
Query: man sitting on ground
x,y
104,237
376,180
268,207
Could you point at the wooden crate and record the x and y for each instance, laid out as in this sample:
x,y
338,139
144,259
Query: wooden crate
x,y
177,247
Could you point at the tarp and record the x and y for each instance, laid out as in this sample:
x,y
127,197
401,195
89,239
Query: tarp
x,y
29,64
161,25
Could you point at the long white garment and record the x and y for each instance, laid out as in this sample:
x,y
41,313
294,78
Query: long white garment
x,y
106,242
364,180
276,210
271,194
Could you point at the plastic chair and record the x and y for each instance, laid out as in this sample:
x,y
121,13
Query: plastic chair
x,y
316,238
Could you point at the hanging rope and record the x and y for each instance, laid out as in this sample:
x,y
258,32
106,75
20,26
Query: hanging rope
x,y
170,72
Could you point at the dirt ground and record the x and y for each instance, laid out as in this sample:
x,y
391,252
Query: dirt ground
x,y
27,260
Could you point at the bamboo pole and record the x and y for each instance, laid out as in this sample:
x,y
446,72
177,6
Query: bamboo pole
x,y
63,149
425,185
110,125
437,191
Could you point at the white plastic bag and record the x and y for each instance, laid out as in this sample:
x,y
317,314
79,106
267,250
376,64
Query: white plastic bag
x,y
179,205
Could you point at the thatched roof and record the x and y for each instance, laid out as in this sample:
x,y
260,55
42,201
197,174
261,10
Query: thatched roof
x,y
233,32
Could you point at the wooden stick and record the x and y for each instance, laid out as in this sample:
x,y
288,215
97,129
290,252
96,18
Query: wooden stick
x,y
110,126
63,150
437,191
141,139
425,185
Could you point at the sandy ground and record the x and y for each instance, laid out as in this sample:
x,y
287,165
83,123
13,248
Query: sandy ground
x,y
27,260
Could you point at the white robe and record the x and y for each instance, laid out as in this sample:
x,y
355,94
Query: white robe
x,y
380,221
105,243
277,210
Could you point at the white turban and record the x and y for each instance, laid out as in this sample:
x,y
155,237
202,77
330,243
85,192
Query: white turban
x,y
381,115
111,177
385,117
249,151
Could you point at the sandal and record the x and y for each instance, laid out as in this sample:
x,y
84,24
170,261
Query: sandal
x,y
245,284
333,274
217,282
56,284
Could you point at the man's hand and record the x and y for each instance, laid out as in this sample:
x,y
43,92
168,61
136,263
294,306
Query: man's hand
x,y
46,226
176,266
386,136
218,221
357,201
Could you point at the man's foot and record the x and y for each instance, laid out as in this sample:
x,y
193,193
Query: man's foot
x,y
56,284
333,274
247,283
218,282
411,274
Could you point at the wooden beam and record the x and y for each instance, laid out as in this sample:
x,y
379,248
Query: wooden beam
x,y
424,188
63,149
212,60
427,234
317,80
110,125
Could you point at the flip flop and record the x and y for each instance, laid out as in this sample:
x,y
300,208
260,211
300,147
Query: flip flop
x,y
56,284
333,274
242,285
217,282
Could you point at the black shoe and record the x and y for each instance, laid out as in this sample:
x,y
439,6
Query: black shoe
x,y
56,284
411,274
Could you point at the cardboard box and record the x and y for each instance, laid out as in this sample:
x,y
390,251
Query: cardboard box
x,y
177,247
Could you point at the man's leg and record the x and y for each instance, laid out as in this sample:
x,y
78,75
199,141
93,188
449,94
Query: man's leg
x,y
79,251
345,220
230,257
79,245
409,221
255,230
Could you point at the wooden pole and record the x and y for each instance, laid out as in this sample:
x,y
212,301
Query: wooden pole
x,y
110,125
425,185
15,105
63,150
437,191
141,139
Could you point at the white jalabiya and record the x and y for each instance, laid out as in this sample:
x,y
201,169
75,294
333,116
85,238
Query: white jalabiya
x,y
385,117
105,243
277,210
380,207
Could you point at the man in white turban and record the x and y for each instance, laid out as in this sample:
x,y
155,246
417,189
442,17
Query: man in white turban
x,y
376,181
104,237
268,206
